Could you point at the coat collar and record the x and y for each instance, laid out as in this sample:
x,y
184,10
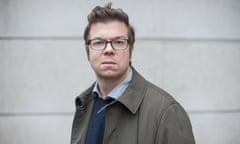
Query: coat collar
x,y
83,99
131,98
134,94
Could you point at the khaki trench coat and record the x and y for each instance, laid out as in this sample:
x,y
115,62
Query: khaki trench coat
x,y
144,114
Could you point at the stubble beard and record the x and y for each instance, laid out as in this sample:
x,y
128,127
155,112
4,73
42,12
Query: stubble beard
x,y
111,75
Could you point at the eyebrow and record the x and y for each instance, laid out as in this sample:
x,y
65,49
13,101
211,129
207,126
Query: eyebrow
x,y
117,37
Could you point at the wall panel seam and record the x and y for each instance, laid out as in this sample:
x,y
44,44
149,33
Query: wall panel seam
x,y
29,38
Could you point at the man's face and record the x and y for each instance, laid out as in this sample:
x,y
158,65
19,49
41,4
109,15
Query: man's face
x,y
109,63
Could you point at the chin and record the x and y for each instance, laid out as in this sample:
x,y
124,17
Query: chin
x,y
110,75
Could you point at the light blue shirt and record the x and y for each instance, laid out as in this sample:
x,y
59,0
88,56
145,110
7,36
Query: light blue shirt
x,y
119,89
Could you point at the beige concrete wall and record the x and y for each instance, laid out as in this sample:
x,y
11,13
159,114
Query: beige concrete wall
x,y
189,48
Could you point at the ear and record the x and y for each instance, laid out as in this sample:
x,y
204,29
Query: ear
x,y
131,51
87,52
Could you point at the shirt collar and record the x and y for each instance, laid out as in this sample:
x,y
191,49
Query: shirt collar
x,y
118,90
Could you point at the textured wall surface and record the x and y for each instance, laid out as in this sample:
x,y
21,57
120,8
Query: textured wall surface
x,y
190,48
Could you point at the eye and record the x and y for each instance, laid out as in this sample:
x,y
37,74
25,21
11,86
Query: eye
x,y
97,42
119,42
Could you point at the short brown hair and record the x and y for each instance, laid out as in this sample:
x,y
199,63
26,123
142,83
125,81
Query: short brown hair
x,y
106,14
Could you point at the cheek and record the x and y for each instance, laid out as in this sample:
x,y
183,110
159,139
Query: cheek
x,y
125,58
93,57
90,58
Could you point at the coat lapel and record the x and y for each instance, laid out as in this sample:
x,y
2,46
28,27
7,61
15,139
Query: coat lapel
x,y
84,105
134,94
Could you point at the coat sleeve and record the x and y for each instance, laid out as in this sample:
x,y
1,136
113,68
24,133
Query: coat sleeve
x,y
174,126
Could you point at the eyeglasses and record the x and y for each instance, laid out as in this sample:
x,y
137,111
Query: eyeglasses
x,y
101,44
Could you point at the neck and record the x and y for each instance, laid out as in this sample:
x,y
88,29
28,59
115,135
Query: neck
x,y
106,85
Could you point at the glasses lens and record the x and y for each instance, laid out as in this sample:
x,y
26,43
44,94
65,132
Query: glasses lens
x,y
97,44
120,43
100,44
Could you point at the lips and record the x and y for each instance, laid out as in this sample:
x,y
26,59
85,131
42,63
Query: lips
x,y
108,62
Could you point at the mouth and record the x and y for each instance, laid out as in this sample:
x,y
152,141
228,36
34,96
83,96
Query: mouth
x,y
108,63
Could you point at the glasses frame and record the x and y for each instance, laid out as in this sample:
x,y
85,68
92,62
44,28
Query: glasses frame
x,y
106,42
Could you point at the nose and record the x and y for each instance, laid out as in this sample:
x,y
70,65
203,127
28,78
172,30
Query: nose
x,y
109,49
109,46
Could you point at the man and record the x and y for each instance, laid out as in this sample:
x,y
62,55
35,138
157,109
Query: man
x,y
121,107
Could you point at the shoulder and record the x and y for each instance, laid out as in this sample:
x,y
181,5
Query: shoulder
x,y
157,97
84,97
155,100
152,93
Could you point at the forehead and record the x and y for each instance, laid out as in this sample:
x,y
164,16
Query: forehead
x,y
108,30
